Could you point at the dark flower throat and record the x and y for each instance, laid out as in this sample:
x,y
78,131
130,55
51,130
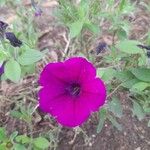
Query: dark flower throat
x,y
73,89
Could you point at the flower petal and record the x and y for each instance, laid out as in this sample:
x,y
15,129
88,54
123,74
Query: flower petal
x,y
48,95
52,74
95,93
69,112
94,86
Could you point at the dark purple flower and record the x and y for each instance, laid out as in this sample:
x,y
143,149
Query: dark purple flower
x,y
71,91
3,26
14,41
2,68
145,47
101,46
148,54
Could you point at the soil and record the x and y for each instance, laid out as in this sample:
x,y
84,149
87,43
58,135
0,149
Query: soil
x,y
135,134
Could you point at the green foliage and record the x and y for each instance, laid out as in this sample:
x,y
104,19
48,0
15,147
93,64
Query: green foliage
x,y
115,123
110,112
138,111
78,17
142,74
125,65
2,2
41,143
106,74
24,113
115,107
2,134
75,28
140,86
102,118
20,60
23,139
29,57
12,70
129,46
21,142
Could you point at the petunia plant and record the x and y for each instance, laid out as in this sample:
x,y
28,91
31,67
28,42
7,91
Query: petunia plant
x,y
88,76
17,57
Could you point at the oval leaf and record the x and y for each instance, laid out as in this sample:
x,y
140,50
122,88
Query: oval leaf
x,y
75,28
142,74
129,46
12,70
30,56
138,111
102,118
41,143
115,123
140,86
115,107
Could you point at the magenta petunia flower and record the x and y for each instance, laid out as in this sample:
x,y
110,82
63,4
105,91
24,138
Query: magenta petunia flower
x,y
71,91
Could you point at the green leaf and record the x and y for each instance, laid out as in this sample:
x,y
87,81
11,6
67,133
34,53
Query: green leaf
x,y
122,34
92,27
41,143
83,9
124,75
3,147
100,72
142,60
16,114
142,74
30,56
2,3
129,46
140,86
21,115
13,135
22,139
30,69
3,55
115,107
102,118
128,84
115,123
75,28
138,111
19,147
2,134
13,70
146,109
121,6
106,74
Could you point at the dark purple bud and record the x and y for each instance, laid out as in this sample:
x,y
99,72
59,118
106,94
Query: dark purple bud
x,y
145,47
148,54
101,46
13,39
3,26
2,68
38,12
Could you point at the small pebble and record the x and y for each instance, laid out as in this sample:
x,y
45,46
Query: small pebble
x,y
138,148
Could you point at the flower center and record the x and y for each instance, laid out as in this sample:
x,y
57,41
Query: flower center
x,y
73,89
